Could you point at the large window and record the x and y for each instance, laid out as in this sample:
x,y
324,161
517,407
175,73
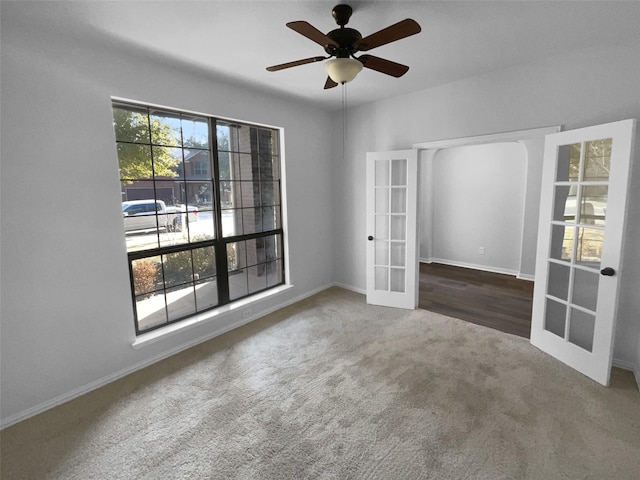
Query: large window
x,y
201,206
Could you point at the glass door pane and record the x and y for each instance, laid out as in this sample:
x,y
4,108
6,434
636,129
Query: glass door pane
x,y
390,218
575,248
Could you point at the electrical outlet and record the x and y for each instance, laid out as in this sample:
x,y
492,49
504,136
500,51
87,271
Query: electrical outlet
x,y
246,314
481,250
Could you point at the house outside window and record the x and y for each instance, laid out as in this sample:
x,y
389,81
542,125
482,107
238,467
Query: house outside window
x,y
202,212
201,168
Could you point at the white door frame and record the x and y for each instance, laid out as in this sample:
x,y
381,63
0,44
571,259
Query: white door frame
x,y
533,142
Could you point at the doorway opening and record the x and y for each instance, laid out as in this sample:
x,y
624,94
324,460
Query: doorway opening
x,y
479,204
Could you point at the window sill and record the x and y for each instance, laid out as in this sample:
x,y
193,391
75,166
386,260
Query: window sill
x,y
198,319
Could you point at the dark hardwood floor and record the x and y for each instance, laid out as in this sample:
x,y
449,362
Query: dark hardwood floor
x,y
498,301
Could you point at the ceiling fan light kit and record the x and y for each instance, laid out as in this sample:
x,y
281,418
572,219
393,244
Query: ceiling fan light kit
x,y
343,43
343,70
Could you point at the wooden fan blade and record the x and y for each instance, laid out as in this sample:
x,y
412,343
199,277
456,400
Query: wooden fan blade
x,y
397,31
383,66
330,83
312,33
282,66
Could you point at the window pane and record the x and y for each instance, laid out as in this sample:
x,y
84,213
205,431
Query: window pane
x,y
201,225
382,200
195,131
131,124
146,273
167,162
204,262
564,205
236,256
382,172
206,293
382,227
585,289
257,278
597,161
245,134
134,161
593,205
238,286
255,251
230,194
381,253
178,268
398,254
197,165
270,218
199,194
251,220
231,222
561,242
165,129
167,192
137,241
270,192
555,317
266,167
398,200
229,165
250,194
272,247
151,311
275,275
397,279
589,248
268,142
558,280
399,172
581,329
382,278
568,162
226,137
398,227
181,302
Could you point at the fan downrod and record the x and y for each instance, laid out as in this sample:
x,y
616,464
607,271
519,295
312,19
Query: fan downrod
x,y
342,14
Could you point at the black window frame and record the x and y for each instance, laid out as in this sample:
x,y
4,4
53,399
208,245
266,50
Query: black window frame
x,y
220,243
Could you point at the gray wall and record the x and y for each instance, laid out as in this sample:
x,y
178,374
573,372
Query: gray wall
x,y
67,321
584,88
474,197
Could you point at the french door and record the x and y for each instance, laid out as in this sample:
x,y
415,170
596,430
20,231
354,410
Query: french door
x,y
582,213
391,221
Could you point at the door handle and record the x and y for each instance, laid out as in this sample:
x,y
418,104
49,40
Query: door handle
x,y
369,238
608,272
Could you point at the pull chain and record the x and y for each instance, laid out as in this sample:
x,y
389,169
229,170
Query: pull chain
x,y
344,120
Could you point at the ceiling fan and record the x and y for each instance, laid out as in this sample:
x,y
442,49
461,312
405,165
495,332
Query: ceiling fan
x,y
343,43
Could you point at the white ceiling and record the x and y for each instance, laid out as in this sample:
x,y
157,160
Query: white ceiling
x,y
238,39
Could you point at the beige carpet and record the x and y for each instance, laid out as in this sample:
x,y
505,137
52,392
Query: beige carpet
x,y
332,388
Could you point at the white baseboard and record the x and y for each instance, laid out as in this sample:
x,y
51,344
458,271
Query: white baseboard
x,y
526,276
42,407
484,268
350,287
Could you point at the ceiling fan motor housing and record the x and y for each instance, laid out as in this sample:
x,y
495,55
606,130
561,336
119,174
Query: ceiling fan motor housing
x,y
346,39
